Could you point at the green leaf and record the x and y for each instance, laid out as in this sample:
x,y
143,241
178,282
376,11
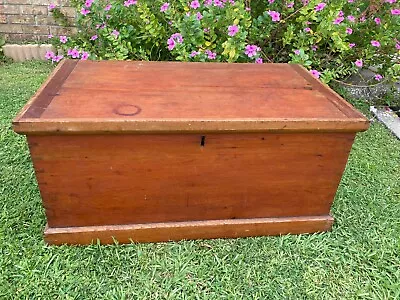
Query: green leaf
x,y
232,53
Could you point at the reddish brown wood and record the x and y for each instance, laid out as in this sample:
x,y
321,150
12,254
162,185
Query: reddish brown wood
x,y
158,151
135,97
163,232
50,89
316,84
126,179
101,126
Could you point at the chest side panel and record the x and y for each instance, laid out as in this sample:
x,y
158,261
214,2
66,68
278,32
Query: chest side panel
x,y
128,179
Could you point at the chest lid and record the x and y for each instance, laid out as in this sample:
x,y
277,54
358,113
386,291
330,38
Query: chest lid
x,y
144,97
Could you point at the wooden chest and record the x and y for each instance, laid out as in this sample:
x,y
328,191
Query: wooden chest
x,y
158,151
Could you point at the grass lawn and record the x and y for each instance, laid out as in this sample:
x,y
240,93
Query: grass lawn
x,y
360,258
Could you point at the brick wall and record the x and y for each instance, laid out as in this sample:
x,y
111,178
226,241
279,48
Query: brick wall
x,y
30,20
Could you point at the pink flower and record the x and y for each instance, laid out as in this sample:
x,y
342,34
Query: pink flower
x,y
57,58
85,55
63,39
315,73
219,3
206,29
320,6
195,4
362,19
314,48
51,6
390,1
338,20
271,1
210,54
74,53
232,30
49,55
115,33
248,9
108,7
297,52
84,11
398,45
251,50
351,18
50,36
375,43
128,3
94,37
207,2
307,29
194,53
341,13
395,12
378,77
290,5
171,44
259,60
199,16
175,38
359,63
350,1
88,3
351,45
349,30
276,17
164,7
377,21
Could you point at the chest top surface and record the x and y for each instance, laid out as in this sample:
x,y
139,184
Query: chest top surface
x,y
133,96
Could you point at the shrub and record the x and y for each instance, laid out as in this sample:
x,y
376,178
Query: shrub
x,y
330,38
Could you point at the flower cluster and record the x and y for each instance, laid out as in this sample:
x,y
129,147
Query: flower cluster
x,y
251,50
75,53
332,38
176,38
50,55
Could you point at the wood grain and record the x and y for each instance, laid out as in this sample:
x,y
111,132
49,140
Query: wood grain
x,y
75,126
135,97
49,90
333,97
174,231
158,151
127,179
219,103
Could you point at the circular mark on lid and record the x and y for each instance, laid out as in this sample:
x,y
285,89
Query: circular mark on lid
x,y
127,110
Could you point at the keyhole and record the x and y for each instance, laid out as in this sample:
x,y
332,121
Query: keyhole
x,y
203,140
